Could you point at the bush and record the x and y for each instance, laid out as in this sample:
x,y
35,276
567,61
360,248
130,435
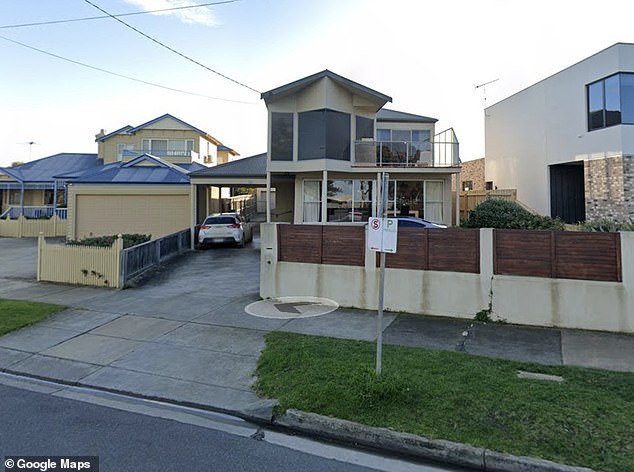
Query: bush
x,y
129,240
607,226
505,214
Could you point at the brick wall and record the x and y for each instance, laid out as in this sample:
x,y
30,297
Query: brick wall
x,y
609,188
473,171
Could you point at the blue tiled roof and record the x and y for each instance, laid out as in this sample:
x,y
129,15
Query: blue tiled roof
x,y
48,168
160,172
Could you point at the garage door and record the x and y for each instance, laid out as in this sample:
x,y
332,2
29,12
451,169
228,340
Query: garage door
x,y
158,215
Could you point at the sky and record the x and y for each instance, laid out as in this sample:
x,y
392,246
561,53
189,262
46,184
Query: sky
x,y
428,56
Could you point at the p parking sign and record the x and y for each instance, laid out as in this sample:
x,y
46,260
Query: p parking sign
x,y
382,234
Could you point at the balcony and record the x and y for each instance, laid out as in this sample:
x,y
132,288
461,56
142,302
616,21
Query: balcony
x,y
443,151
34,212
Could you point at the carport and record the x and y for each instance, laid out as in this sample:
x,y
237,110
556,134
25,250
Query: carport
x,y
274,200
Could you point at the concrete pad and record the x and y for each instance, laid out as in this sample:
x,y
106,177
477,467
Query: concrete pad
x,y
8,357
425,331
53,368
74,295
244,342
137,328
232,314
155,386
18,257
78,320
539,376
344,324
36,338
599,350
8,286
93,349
197,365
39,290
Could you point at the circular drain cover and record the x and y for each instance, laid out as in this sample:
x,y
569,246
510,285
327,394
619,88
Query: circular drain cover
x,y
291,307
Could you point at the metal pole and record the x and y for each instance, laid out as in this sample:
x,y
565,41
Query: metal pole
x,y
379,325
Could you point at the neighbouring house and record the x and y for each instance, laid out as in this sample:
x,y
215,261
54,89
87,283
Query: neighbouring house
x,y
566,143
472,177
138,182
329,140
37,189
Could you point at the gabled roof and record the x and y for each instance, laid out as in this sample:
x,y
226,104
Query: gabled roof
x,y
128,130
49,168
145,169
254,166
296,86
384,115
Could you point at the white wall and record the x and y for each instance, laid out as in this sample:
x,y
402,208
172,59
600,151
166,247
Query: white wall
x,y
547,124
576,304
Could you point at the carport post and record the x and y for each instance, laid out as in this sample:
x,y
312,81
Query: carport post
x,y
268,197
192,236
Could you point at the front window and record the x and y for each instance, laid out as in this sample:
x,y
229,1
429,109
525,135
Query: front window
x,y
168,147
281,136
312,201
324,134
404,146
420,199
349,201
610,101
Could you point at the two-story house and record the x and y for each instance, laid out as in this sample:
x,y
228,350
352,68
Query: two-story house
x,y
566,143
330,138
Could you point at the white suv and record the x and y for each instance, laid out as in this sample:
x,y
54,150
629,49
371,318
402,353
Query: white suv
x,y
225,228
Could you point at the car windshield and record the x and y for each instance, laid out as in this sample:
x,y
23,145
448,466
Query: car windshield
x,y
220,220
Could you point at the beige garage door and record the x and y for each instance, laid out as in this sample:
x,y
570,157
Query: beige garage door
x,y
158,215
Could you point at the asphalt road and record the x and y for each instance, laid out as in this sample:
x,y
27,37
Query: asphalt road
x,y
138,435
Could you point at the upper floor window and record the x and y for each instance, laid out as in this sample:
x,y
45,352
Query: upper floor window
x,y
281,136
168,147
324,134
365,128
611,101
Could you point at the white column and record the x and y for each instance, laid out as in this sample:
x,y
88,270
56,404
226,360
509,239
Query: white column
x,y
193,201
268,197
324,197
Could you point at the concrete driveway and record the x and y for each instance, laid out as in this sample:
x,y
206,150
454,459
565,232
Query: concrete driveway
x,y
18,258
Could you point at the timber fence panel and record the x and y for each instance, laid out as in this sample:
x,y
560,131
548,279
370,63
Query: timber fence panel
x,y
343,245
454,250
520,252
300,243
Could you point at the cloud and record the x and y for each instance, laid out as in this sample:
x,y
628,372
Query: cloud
x,y
200,16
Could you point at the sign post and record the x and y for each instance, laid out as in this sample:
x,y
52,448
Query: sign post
x,y
382,237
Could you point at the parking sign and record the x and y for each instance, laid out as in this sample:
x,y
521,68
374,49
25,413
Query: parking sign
x,y
382,234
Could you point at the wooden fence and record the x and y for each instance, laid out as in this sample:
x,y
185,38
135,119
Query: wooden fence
x,y
472,198
558,254
79,265
22,227
552,254
111,266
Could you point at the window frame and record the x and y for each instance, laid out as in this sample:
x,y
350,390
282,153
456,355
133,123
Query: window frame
x,y
601,118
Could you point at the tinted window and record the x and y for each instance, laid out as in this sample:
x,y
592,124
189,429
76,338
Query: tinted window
x,y
282,136
220,220
611,101
595,106
627,98
408,224
324,134
365,128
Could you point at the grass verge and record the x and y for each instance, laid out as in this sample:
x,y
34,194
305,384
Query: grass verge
x,y
588,420
16,314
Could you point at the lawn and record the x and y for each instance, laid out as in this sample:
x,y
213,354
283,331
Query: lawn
x,y
16,314
588,420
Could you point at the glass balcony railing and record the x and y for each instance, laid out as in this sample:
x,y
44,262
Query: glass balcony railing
x,y
443,151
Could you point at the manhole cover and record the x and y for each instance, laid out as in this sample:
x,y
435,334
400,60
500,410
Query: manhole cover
x,y
291,307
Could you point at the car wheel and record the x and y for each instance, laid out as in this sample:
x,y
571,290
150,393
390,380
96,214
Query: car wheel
x,y
241,242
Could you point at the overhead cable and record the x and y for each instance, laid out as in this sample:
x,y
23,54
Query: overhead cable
x,y
171,49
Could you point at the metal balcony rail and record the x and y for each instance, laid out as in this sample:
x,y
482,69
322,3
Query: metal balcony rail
x,y
443,151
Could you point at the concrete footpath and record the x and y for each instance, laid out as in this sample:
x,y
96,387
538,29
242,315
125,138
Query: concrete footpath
x,y
184,336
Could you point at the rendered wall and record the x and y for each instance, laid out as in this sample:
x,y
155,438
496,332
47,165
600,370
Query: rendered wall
x,y
578,304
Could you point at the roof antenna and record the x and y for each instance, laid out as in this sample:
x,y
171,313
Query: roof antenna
x,y
484,89
30,143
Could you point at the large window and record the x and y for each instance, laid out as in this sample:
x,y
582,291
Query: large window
x,y
324,134
365,128
281,136
349,200
405,146
421,199
611,101
167,147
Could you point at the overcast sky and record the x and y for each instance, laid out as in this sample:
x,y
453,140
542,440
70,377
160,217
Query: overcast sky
x,y
428,56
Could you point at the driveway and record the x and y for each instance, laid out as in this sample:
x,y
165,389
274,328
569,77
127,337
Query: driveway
x,y
18,258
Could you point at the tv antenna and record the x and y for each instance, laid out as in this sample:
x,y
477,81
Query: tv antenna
x,y
484,89
30,143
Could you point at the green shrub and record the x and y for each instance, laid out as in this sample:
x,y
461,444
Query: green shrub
x,y
129,240
608,226
505,214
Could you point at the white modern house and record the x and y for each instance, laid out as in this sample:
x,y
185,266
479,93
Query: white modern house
x,y
567,143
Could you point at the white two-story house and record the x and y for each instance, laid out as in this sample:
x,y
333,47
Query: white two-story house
x,y
329,139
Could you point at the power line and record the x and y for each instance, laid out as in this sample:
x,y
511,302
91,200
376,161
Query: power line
x,y
120,75
69,20
171,49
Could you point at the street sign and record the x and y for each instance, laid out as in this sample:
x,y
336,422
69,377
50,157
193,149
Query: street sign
x,y
382,234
